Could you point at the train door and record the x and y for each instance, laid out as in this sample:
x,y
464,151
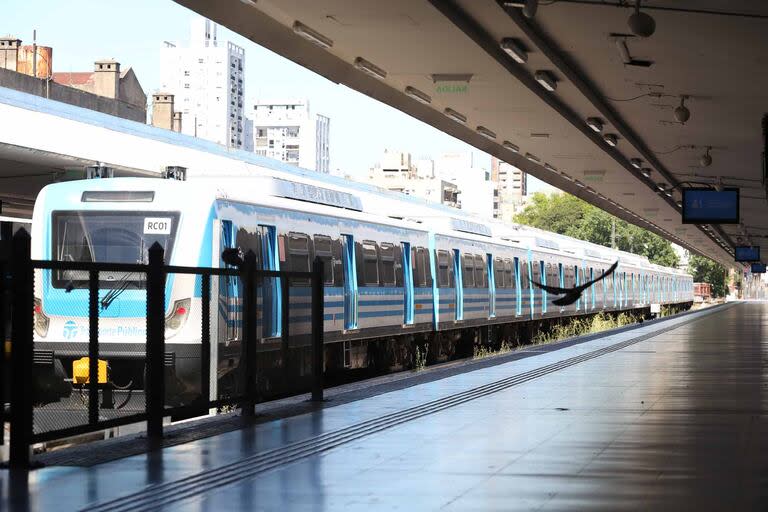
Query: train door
x,y
577,282
491,285
518,288
408,287
459,286
591,277
349,266
543,280
561,280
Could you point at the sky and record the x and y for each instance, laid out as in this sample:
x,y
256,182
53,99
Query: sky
x,y
82,31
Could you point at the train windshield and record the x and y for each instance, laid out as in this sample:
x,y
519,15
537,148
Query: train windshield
x,y
109,237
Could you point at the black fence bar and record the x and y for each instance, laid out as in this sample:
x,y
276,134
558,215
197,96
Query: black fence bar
x,y
155,349
21,350
93,347
53,435
205,355
285,327
249,348
4,253
318,318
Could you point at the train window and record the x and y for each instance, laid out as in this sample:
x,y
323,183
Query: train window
x,y
481,272
249,239
498,273
370,263
417,266
444,269
524,275
323,251
387,264
338,269
398,266
468,274
299,256
509,277
426,264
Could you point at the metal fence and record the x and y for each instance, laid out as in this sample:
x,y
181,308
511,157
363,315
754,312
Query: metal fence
x,y
255,335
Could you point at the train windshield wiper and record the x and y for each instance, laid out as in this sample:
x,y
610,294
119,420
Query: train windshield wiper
x,y
115,292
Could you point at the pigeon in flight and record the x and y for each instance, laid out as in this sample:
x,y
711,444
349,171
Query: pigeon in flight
x,y
571,295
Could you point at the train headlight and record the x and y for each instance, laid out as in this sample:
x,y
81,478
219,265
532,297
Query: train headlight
x,y
179,314
41,321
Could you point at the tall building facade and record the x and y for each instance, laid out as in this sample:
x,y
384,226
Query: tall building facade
x,y
512,186
478,194
287,131
396,171
207,81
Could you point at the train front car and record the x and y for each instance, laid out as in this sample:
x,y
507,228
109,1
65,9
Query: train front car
x,y
116,221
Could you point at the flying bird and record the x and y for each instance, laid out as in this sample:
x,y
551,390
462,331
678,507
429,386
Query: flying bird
x,y
571,295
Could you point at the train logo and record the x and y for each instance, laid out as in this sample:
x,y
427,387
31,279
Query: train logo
x,y
71,330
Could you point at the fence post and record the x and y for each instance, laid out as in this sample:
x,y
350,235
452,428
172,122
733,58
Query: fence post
x,y
318,317
5,248
250,310
93,347
205,355
21,350
285,327
155,385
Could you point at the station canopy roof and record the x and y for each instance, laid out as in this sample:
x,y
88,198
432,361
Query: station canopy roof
x,y
481,70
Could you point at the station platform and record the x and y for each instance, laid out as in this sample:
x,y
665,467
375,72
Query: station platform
x,y
668,415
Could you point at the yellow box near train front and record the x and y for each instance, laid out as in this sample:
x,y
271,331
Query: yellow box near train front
x,y
81,367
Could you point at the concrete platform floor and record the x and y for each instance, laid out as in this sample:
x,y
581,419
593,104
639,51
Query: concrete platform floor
x,y
667,416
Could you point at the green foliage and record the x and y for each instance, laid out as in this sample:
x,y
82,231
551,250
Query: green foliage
x,y
704,270
420,358
572,327
568,215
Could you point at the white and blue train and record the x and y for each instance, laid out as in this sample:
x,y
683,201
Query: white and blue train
x,y
398,271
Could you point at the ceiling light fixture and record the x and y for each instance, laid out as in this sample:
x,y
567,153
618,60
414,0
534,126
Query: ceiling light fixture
x,y
546,80
611,139
513,48
706,158
595,123
529,7
532,158
550,167
370,68
682,114
646,171
485,132
636,162
311,35
640,23
418,95
456,116
580,184
565,176
512,147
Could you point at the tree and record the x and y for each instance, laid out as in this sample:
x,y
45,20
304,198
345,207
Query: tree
x,y
704,270
568,215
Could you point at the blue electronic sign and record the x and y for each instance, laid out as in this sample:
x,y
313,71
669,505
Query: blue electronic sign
x,y
758,268
747,253
708,206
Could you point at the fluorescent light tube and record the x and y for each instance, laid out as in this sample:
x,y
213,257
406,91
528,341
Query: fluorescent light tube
x,y
311,35
370,68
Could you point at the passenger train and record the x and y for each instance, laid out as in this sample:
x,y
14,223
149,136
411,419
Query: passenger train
x,y
398,271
